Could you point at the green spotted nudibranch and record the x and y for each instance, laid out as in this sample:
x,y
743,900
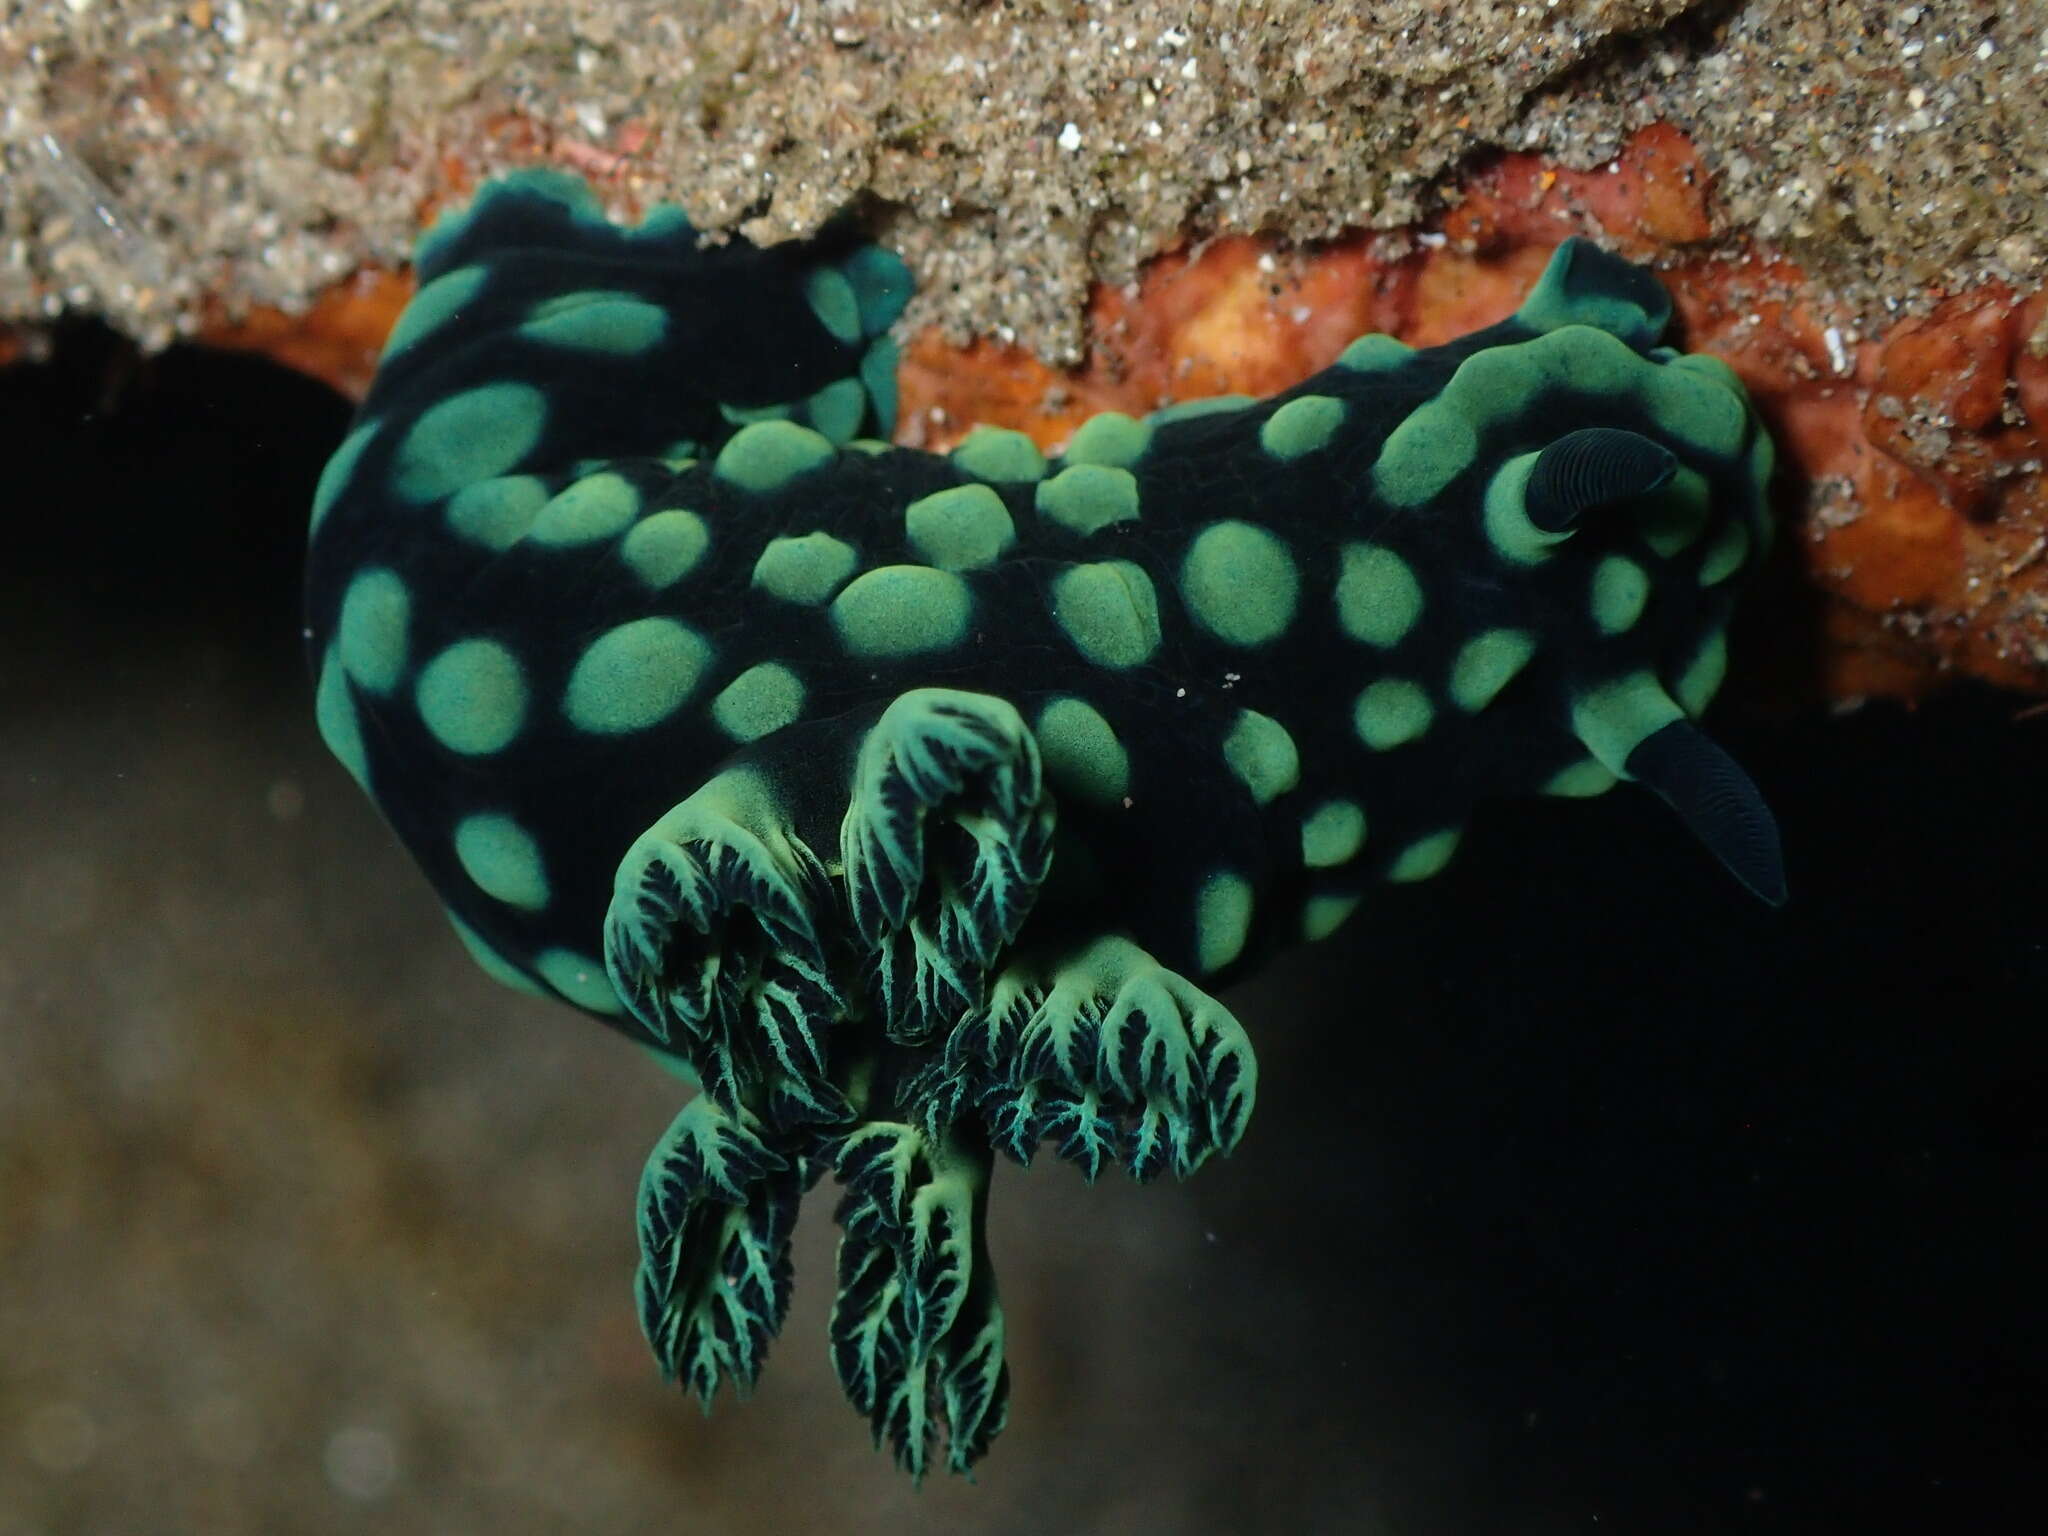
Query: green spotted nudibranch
x,y
916,807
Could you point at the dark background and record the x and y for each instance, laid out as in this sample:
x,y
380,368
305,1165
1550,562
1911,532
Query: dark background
x,y
1583,1195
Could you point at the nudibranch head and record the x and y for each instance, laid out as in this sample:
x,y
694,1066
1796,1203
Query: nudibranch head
x,y
1557,534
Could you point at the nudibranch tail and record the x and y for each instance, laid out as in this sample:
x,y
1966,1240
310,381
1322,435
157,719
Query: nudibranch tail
x,y
918,807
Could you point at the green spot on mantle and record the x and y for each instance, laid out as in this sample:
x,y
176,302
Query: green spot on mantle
x,y
1581,781
1392,712
434,306
473,697
1301,426
902,610
376,615
1486,664
1378,597
1223,920
835,303
998,453
1620,589
767,455
1702,678
1239,583
635,676
1109,611
618,323
503,859
762,699
595,507
962,528
1424,858
1375,352
468,437
664,547
1112,438
1725,556
1333,835
1088,497
807,568
580,979
496,513
1322,916
1262,755
1081,753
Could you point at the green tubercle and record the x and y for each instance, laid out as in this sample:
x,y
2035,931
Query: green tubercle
x,y
621,324
580,979
1375,353
1195,410
1239,583
1333,834
1620,589
1424,858
595,507
1223,919
1000,454
372,632
834,302
1702,678
962,528
496,513
805,568
837,410
1109,611
1322,916
1392,712
1088,497
902,610
503,860
767,455
762,699
1581,781
434,306
1301,426
1112,439
1487,663
1725,555
1081,752
472,696
1378,597
1262,756
665,546
468,437
634,676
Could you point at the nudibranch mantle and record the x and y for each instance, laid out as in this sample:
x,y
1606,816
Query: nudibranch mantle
x,y
917,806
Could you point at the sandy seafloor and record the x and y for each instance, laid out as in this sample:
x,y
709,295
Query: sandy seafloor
x,y
1582,1195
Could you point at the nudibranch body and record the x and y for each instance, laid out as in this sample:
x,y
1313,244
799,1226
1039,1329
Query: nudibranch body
x,y
917,806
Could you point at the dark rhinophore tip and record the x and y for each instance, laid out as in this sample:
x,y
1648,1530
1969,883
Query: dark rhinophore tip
x,y
1591,468
1717,801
